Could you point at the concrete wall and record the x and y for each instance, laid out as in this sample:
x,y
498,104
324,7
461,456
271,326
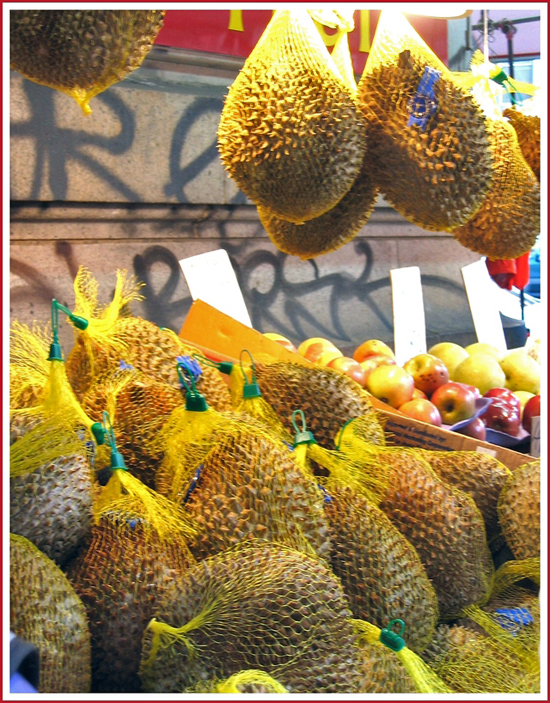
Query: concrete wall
x,y
138,185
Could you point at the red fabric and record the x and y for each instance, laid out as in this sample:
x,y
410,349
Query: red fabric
x,y
510,272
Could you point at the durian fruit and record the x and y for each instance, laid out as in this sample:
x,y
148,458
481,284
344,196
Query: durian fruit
x,y
138,406
121,575
519,511
381,573
527,128
330,231
480,475
384,673
327,397
290,133
442,523
256,606
508,222
435,171
45,611
449,637
251,487
81,52
50,487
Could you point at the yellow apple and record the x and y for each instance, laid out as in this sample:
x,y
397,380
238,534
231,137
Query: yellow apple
x,y
312,349
523,397
522,372
484,348
451,355
481,371
327,356
283,341
391,384
372,347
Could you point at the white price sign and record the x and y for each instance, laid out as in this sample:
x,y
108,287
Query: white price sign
x,y
211,278
482,299
409,325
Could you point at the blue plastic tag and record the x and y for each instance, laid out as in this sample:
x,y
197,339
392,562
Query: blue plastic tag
x,y
193,484
510,618
190,365
423,104
124,366
326,495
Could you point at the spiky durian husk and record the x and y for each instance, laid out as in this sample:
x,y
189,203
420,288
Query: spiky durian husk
x,y
327,397
508,222
45,611
251,487
120,577
436,178
443,524
290,133
480,475
146,347
50,487
332,230
528,132
519,511
383,671
254,607
81,52
447,637
138,406
381,573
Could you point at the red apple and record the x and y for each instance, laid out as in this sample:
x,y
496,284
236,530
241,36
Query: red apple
x,y
283,341
474,390
502,416
391,384
531,409
454,402
350,367
476,429
506,396
417,393
327,356
428,372
372,347
421,409
372,362
312,349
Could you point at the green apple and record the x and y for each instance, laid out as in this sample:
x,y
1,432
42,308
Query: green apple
x,y
483,348
522,372
451,355
523,396
482,371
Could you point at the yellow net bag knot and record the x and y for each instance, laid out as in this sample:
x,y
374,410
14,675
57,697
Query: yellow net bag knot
x,y
250,677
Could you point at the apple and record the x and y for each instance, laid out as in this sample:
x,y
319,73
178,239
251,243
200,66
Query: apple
x,y
502,416
482,371
417,393
372,347
506,396
313,348
391,384
484,348
454,402
476,429
451,355
428,372
327,356
421,409
474,390
372,362
350,367
531,409
522,373
283,341
523,397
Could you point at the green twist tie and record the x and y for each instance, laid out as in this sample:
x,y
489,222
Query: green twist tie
x,y
117,460
56,353
222,366
98,432
194,401
393,640
302,436
505,81
250,389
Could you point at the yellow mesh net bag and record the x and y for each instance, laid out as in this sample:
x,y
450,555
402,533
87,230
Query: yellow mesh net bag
x,y
426,134
113,336
256,606
45,611
81,52
246,681
519,511
290,133
508,222
137,547
29,365
339,225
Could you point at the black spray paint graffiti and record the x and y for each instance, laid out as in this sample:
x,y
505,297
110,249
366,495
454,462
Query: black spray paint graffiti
x,y
56,146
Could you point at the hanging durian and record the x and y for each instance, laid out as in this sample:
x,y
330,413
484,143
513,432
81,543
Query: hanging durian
x,y
81,52
290,133
527,127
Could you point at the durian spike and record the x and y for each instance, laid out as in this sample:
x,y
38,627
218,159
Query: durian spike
x,y
425,680
250,677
